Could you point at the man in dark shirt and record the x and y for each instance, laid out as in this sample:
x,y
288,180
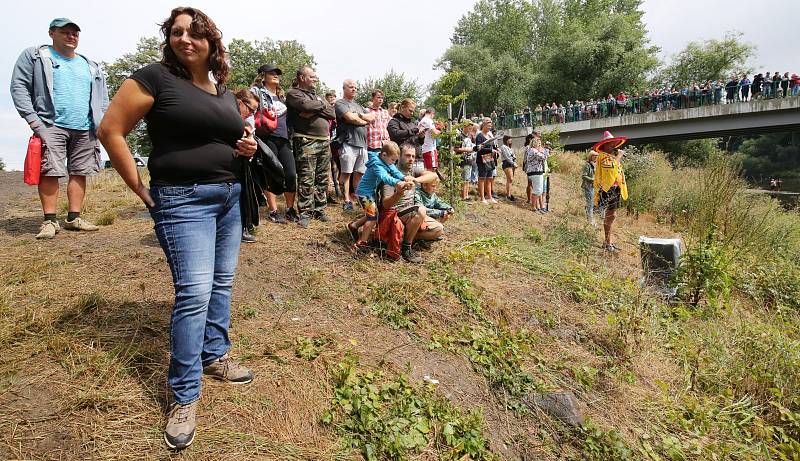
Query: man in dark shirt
x,y
309,115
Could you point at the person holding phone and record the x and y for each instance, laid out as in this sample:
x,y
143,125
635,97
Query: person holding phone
x,y
199,144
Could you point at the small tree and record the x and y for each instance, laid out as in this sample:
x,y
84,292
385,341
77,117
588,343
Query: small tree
x,y
2,165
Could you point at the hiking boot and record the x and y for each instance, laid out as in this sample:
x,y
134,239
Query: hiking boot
x,y
181,425
248,237
226,369
347,206
48,230
511,198
611,248
80,224
410,255
276,217
291,215
321,216
304,221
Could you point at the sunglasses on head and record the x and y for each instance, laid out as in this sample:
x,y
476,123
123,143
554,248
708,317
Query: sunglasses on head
x,y
251,109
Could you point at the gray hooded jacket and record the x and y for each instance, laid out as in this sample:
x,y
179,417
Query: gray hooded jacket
x,y
32,87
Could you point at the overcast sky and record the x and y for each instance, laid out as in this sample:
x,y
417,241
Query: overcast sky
x,y
360,39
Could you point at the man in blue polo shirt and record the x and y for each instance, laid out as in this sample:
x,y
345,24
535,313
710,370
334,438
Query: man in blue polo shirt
x,y
63,96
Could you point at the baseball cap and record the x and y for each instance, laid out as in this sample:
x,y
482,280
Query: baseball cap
x,y
269,68
61,22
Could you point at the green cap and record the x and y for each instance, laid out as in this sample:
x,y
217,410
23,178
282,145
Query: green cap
x,y
61,22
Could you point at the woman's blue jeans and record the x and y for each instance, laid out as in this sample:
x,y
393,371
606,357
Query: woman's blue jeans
x,y
200,230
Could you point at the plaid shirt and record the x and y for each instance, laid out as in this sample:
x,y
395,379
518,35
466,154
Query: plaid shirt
x,y
376,130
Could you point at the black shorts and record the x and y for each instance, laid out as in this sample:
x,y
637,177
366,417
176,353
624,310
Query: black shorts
x,y
507,165
610,200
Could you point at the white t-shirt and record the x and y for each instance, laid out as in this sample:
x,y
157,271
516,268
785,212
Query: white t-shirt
x,y
426,124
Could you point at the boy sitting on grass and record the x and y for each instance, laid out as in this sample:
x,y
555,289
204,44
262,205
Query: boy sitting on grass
x,y
380,169
434,206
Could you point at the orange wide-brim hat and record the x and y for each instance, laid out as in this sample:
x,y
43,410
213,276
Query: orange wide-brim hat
x,y
609,138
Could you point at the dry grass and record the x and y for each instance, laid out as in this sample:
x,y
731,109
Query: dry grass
x,y
84,332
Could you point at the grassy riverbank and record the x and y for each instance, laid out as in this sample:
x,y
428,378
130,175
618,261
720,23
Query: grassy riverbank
x,y
511,303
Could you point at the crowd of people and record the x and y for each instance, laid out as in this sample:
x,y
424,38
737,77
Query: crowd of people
x,y
219,154
736,89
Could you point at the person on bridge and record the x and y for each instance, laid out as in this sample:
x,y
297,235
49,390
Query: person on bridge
x,y
609,183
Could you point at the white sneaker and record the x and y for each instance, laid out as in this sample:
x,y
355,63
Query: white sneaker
x,y
48,230
80,224
492,200
485,202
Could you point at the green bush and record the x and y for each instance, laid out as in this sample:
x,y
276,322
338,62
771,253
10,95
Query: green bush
x,y
648,175
704,274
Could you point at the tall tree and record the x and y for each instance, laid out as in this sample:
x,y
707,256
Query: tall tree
x,y
515,52
709,60
395,87
148,51
246,57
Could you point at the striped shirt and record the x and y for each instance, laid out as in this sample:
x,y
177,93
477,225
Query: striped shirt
x,y
72,92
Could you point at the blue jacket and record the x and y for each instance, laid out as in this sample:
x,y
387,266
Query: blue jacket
x,y
377,172
32,87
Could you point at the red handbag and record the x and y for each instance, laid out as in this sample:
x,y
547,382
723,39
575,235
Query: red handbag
x,y
266,122
33,161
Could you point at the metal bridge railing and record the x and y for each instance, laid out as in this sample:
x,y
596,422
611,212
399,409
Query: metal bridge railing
x,y
676,100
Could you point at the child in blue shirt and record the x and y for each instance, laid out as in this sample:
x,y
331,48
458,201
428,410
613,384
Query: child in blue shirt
x,y
381,168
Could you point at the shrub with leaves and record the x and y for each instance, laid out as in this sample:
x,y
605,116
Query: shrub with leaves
x,y
704,274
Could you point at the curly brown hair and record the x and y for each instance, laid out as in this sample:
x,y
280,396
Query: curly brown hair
x,y
202,26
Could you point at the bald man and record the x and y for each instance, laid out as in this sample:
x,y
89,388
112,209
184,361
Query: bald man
x,y
351,128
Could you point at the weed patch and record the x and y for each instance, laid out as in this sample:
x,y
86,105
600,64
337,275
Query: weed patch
x,y
392,303
390,418
310,348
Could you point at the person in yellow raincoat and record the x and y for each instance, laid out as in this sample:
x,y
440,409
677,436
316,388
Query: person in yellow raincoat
x,y
609,183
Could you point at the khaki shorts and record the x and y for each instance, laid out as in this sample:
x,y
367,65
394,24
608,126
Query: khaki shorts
x,y
353,159
78,149
428,224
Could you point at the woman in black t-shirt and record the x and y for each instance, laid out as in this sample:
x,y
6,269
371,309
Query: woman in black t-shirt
x,y
198,138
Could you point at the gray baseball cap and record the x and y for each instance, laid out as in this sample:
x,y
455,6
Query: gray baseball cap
x,y
61,22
